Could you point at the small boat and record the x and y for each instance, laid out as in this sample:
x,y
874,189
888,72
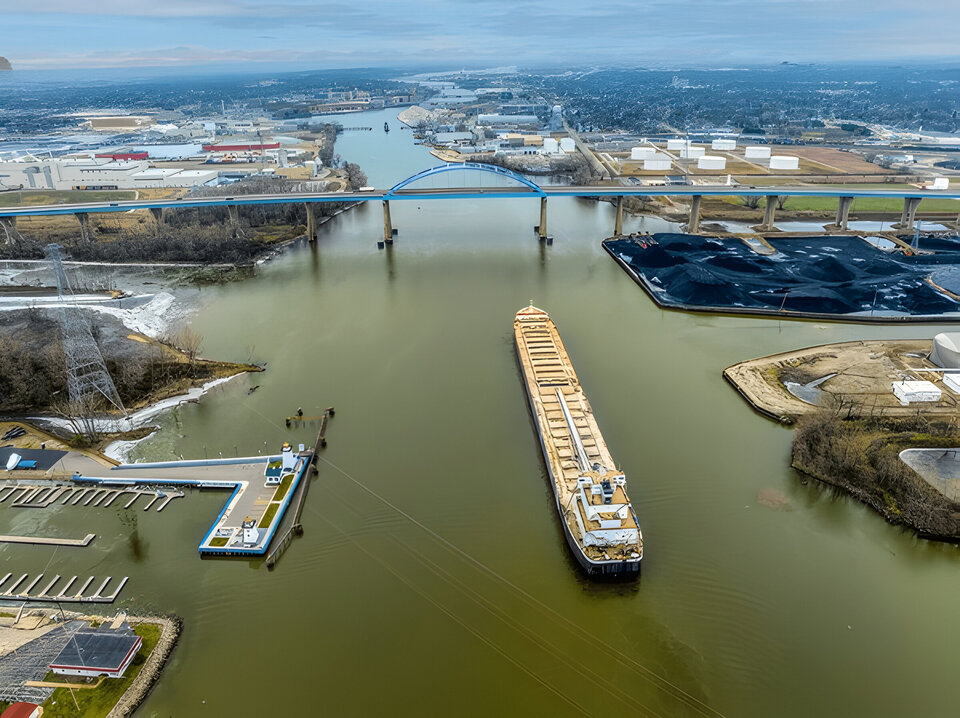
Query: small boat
x,y
386,127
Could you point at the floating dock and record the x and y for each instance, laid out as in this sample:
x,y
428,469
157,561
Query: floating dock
x,y
262,488
598,520
10,593
47,541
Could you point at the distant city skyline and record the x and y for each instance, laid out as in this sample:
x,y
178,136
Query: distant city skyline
x,y
63,34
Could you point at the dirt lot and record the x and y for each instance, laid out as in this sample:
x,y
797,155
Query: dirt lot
x,y
864,372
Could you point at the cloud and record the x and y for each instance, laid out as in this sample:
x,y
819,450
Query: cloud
x,y
377,32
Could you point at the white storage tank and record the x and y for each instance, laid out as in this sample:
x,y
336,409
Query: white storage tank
x,y
712,162
725,145
692,152
784,162
676,144
757,152
567,144
642,153
659,163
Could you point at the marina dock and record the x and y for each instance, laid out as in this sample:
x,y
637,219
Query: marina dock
x,y
48,541
10,593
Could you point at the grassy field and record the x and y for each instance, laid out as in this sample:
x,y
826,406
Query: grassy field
x,y
13,199
268,516
97,702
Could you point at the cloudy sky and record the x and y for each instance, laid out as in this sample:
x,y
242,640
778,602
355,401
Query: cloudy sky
x,y
452,33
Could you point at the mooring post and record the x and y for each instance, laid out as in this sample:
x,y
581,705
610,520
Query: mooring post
x,y
84,220
311,222
693,223
769,212
542,229
843,212
618,224
387,225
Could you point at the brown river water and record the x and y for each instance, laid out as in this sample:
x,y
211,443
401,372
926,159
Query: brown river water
x,y
432,578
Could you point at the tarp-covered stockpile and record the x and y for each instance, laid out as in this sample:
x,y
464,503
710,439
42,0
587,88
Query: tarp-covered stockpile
x,y
812,275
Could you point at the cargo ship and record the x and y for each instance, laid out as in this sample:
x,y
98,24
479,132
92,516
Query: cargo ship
x,y
599,522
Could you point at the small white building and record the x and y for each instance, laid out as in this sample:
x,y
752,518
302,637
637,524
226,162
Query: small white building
x,y
288,460
756,152
711,162
908,392
723,145
784,162
550,146
658,163
642,153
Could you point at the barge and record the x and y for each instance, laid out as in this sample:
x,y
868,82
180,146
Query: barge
x,y
599,522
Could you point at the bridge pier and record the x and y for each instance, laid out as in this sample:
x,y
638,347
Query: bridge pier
x,y
909,214
769,213
9,227
693,223
311,222
388,230
157,213
84,219
618,223
843,212
542,228
233,211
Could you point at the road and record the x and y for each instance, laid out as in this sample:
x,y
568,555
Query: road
x,y
473,193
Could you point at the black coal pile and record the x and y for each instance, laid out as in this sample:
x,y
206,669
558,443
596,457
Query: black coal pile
x,y
813,275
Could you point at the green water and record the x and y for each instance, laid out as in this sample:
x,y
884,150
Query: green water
x,y
470,605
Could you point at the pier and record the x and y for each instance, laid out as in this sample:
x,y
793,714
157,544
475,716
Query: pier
x,y
48,541
10,593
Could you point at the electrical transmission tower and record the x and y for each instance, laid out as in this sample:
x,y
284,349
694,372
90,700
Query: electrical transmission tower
x,y
88,380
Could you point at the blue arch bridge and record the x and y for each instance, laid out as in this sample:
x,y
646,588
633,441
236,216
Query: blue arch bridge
x,y
515,186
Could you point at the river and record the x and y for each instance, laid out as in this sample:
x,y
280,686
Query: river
x,y
432,578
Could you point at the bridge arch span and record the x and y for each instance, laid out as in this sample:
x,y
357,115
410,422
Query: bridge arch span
x,y
536,190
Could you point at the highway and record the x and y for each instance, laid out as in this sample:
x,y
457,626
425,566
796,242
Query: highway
x,y
473,193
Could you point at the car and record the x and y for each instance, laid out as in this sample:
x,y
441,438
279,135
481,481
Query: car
x,y
367,189
114,204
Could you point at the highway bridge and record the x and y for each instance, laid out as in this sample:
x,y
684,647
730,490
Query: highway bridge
x,y
519,187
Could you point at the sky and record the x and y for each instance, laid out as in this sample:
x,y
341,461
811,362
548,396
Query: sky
x,y
77,34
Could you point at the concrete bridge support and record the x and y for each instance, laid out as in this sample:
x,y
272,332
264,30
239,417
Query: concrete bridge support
x,y
769,213
618,224
157,213
693,223
10,234
843,212
311,222
387,224
233,211
908,216
84,220
542,229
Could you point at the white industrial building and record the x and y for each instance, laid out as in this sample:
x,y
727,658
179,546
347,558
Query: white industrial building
x,y
723,145
92,173
784,162
507,120
711,162
757,152
567,144
551,146
657,162
908,392
642,153
692,152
